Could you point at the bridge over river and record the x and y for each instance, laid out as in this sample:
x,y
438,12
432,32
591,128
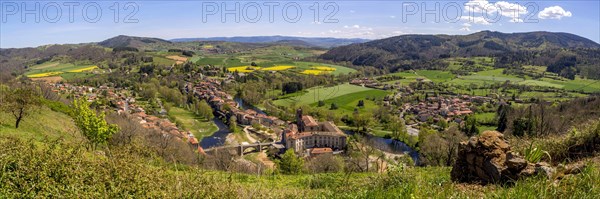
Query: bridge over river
x,y
241,147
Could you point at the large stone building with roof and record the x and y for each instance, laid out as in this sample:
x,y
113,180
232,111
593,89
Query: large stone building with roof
x,y
308,134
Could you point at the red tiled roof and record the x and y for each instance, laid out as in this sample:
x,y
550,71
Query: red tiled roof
x,y
309,121
193,141
321,150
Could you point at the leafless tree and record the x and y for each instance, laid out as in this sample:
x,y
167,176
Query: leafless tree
x,y
324,163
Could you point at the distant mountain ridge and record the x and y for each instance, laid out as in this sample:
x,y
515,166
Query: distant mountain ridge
x,y
130,41
407,49
324,42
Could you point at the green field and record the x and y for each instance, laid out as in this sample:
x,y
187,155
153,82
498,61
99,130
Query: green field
x,y
478,63
313,95
347,103
489,76
200,127
65,70
270,56
540,83
431,75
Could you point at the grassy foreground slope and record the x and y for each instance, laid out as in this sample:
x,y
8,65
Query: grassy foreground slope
x,y
44,170
43,123
49,167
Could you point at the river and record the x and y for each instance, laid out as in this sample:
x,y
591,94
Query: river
x,y
383,144
245,106
389,145
217,138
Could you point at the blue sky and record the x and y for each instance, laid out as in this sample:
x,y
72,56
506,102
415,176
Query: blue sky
x,y
347,19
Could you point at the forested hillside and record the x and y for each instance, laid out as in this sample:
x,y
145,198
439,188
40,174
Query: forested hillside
x,y
561,50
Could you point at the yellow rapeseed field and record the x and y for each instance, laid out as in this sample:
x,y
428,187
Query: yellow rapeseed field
x,y
314,72
243,69
324,68
48,74
83,69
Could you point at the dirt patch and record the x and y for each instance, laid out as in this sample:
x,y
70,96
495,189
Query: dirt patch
x,y
178,59
262,157
53,79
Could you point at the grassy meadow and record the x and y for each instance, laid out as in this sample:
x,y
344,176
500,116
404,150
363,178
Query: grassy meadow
x,y
313,95
189,121
347,103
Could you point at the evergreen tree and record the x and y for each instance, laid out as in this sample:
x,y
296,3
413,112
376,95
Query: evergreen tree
x,y
502,116
361,103
333,106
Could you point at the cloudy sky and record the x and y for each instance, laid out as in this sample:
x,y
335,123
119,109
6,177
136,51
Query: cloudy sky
x,y
34,23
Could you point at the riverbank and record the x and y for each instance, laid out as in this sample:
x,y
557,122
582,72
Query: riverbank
x,y
200,127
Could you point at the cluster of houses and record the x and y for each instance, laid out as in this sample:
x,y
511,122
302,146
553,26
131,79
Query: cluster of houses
x,y
226,105
305,135
366,82
448,108
123,104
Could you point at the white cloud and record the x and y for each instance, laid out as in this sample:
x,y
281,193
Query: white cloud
x,y
554,12
503,8
352,11
480,6
475,20
516,20
393,17
512,10
466,27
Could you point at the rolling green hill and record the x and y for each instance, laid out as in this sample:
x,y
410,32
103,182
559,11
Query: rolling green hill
x,y
427,51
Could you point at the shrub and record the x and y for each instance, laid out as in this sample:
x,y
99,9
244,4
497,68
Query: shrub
x,y
534,154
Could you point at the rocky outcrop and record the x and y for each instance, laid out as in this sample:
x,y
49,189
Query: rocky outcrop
x,y
488,159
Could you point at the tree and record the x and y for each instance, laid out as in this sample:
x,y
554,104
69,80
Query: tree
x,y
20,102
398,128
92,125
290,163
433,149
232,124
502,116
362,120
470,126
361,103
325,163
291,87
333,106
205,110
321,103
